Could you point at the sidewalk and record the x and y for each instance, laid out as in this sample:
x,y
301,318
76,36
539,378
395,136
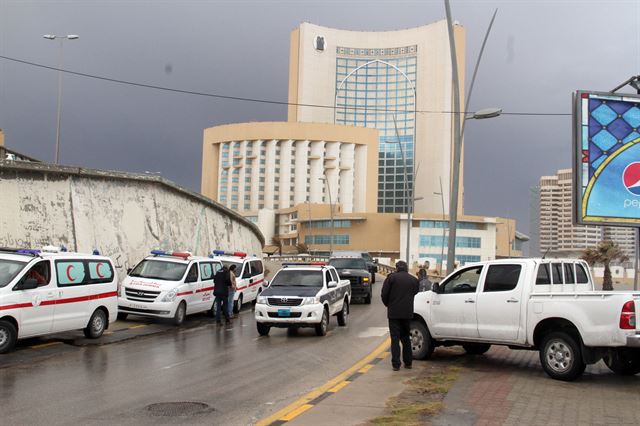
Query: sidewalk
x,y
360,400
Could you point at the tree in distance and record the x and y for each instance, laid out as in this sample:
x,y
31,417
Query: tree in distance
x,y
605,253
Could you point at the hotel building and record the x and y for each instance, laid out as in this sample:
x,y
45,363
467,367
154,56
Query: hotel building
x,y
370,78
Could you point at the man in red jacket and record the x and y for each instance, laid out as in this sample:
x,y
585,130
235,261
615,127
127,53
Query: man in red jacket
x,y
398,292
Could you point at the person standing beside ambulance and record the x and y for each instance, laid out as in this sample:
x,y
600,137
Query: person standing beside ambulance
x,y
232,290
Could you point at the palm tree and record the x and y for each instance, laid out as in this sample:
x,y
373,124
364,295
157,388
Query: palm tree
x,y
277,241
605,253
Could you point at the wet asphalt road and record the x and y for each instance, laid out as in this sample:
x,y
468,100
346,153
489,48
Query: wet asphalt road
x,y
241,376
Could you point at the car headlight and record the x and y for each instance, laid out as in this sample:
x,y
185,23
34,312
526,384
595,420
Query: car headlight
x,y
262,300
365,280
170,297
310,300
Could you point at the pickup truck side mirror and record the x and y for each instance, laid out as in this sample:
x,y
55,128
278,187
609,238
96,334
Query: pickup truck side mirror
x,y
435,287
332,284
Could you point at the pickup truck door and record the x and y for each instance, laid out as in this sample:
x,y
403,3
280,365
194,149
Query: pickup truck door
x,y
500,303
453,308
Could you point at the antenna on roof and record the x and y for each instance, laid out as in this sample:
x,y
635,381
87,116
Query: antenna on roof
x,y
545,253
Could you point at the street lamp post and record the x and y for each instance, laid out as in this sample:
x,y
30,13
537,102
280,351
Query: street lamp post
x,y
60,62
326,180
441,194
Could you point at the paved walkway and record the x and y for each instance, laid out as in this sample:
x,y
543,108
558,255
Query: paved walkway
x,y
503,387
509,387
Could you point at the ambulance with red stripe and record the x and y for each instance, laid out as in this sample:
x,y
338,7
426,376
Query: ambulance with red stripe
x,y
51,290
168,284
249,275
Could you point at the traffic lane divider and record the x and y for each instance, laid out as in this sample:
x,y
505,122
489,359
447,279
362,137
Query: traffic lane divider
x,y
331,387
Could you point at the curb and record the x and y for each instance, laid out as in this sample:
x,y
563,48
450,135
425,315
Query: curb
x,y
331,387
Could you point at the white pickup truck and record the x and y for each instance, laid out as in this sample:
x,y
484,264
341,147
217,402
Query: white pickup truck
x,y
546,305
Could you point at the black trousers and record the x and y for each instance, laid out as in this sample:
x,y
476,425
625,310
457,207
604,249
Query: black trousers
x,y
222,307
400,332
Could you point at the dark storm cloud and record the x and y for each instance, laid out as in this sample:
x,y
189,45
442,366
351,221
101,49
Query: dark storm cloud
x,y
538,53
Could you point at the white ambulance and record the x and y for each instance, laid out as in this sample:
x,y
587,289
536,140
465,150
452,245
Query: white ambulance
x,y
249,275
168,285
51,290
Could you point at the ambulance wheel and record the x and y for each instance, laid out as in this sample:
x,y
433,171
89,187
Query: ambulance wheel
x,y
323,326
237,305
97,324
263,330
344,313
8,336
181,313
122,316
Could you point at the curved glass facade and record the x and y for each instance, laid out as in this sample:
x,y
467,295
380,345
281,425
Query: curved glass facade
x,y
373,86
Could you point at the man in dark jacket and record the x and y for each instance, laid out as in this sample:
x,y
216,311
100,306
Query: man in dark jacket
x,y
398,292
222,282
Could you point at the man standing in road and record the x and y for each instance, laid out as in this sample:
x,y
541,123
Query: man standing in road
x,y
232,290
398,292
222,282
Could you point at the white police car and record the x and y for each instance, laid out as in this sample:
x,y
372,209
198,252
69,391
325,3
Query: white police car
x,y
303,295
51,290
168,285
249,275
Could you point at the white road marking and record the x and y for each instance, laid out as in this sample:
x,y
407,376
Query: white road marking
x,y
374,332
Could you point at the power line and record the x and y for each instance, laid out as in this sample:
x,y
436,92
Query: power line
x,y
246,99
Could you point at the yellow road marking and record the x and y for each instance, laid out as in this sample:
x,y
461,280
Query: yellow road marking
x,y
137,326
339,386
365,368
295,413
45,345
279,415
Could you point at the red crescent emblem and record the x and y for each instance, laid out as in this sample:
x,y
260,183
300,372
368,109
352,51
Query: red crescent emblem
x,y
98,270
68,270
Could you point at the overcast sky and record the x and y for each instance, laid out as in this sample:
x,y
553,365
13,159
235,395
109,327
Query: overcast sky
x,y
538,53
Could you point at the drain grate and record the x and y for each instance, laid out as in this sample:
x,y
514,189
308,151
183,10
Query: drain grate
x,y
178,409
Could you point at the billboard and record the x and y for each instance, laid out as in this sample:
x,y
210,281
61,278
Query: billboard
x,y
606,163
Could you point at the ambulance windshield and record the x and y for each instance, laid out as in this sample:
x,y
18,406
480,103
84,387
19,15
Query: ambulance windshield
x,y
159,270
9,269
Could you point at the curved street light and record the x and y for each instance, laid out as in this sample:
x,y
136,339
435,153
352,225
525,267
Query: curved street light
x,y
59,109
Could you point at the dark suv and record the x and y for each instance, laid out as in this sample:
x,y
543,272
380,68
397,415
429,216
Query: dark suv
x,y
355,270
372,265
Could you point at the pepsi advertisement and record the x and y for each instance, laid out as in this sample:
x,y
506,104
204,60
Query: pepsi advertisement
x,y
607,158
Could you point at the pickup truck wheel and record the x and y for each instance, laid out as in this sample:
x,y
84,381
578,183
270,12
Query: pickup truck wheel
x,y
476,349
97,324
344,313
422,345
560,356
323,326
8,336
367,299
181,313
263,330
623,362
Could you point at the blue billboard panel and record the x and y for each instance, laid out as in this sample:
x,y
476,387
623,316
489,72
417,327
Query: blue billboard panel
x,y
607,159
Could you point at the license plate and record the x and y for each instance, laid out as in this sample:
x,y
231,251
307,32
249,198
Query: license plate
x,y
138,306
284,312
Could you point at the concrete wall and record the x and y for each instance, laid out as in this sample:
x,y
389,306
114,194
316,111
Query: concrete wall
x,y
121,214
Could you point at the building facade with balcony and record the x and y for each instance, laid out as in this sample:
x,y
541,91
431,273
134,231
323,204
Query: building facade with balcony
x,y
250,167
